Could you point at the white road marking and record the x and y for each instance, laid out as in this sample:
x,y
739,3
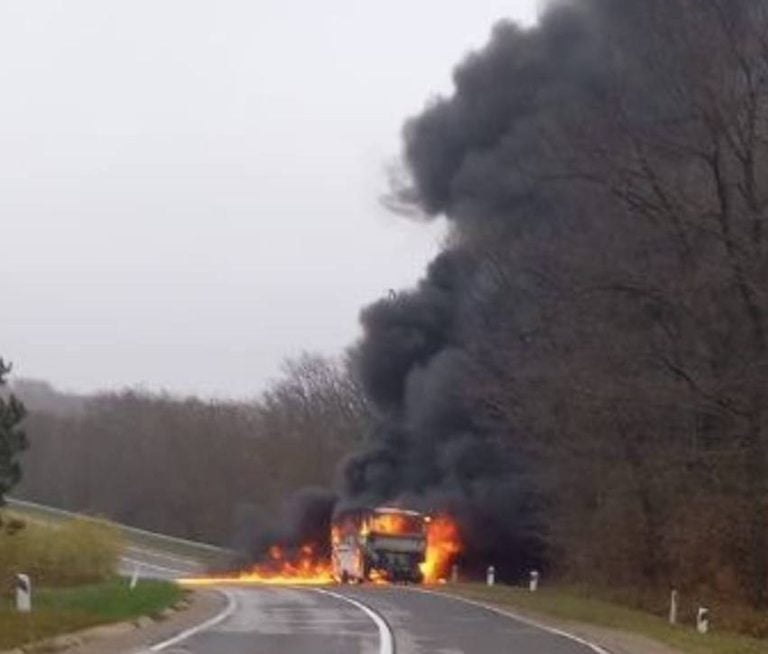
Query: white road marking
x,y
162,555
386,639
514,616
228,610
152,566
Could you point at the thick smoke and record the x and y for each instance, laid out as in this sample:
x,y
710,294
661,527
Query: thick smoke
x,y
489,158
469,157
304,518
434,446
475,157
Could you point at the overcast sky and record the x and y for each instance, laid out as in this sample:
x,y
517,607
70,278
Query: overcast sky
x,y
188,189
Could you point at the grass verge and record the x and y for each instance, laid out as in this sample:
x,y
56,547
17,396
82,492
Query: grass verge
x,y
573,607
207,555
64,610
70,552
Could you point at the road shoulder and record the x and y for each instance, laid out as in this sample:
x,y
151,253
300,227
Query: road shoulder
x,y
612,640
125,637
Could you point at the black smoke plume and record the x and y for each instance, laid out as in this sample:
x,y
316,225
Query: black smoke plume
x,y
431,449
434,446
304,519
492,158
469,158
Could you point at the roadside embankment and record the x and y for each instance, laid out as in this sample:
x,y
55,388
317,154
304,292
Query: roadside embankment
x,y
72,564
203,554
618,629
68,553
64,611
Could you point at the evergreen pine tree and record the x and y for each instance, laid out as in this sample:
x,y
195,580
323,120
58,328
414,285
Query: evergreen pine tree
x,y
13,440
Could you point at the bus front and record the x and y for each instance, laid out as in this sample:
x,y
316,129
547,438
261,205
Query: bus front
x,y
395,545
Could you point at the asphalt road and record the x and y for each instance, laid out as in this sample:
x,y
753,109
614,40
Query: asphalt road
x,y
364,620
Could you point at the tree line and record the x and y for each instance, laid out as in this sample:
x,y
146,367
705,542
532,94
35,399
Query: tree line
x,y
206,470
606,176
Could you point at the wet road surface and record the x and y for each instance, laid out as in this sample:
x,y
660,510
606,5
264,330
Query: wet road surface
x,y
365,620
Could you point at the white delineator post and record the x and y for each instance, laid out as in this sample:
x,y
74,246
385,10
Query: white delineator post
x,y
491,576
702,620
134,577
673,601
533,584
455,574
23,593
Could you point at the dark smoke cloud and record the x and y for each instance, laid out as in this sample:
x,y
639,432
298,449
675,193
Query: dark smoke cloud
x,y
431,450
471,157
408,330
479,158
304,518
469,154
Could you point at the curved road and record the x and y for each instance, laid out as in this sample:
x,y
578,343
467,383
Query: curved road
x,y
364,620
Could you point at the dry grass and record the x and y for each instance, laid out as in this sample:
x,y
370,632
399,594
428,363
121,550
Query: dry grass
x,y
67,553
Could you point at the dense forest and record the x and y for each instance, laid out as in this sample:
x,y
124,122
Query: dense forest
x,y
581,375
208,470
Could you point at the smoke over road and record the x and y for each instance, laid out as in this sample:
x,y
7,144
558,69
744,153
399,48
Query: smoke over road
x,y
434,446
431,449
469,157
501,158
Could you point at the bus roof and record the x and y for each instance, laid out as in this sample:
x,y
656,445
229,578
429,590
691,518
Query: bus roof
x,y
382,510
392,509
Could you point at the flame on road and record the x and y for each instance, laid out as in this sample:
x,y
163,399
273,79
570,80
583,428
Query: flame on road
x,y
280,568
304,567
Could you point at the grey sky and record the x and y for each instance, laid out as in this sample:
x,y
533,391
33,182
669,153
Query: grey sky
x,y
188,189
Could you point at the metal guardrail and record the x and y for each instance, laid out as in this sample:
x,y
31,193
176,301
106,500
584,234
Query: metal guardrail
x,y
171,540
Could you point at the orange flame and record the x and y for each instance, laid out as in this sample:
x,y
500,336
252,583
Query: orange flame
x,y
300,568
394,523
303,567
443,545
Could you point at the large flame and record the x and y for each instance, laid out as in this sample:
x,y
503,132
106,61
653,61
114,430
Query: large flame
x,y
302,567
394,523
443,546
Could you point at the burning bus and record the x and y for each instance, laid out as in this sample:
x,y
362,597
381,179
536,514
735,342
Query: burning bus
x,y
381,544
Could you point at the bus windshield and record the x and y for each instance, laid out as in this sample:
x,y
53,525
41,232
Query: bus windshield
x,y
394,522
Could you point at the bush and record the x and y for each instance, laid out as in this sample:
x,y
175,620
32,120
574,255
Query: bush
x,y
73,552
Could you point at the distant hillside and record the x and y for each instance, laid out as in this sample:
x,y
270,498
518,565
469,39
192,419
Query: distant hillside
x,y
40,396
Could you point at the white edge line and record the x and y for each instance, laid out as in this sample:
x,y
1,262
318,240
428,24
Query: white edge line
x,y
161,555
515,616
386,641
152,566
228,610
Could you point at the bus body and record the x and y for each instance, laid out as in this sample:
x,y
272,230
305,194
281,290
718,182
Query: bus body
x,y
378,544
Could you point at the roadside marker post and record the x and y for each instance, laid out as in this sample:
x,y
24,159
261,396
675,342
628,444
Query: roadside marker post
x,y
455,574
134,577
533,584
673,602
491,576
702,620
23,593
